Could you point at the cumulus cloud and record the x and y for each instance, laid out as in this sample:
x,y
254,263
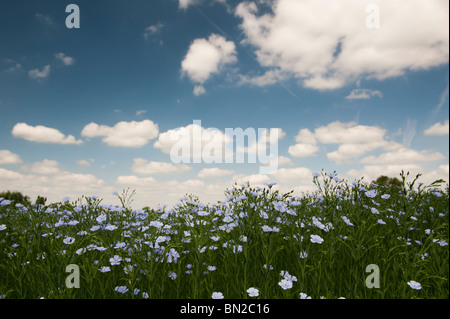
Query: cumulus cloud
x,y
66,60
85,163
143,167
254,179
213,173
326,44
207,57
123,134
353,141
199,90
184,4
284,161
403,155
193,143
42,134
438,129
152,192
38,75
8,157
45,178
298,175
303,150
45,167
372,172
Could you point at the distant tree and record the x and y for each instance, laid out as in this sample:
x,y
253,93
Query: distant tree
x,y
17,197
41,200
392,182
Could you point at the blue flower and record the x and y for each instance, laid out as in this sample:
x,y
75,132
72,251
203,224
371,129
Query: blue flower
x,y
414,285
304,296
115,260
371,193
253,292
316,239
121,289
68,240
172,275
217,295
105,269
347,221
111,227
285,284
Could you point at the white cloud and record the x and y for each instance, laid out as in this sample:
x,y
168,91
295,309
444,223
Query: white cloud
x,y
207,57
141,112
364,94
254,180
213,173
353,141
298,175
185,140
403,155
184,4
8,157
269,78
46,179
349,133
66,60
372,172
303,150
85,163
14,68
438,129
152,192
46,167
123,134
42,134
326,44
143,167
199,90
284,161
37,74
305,136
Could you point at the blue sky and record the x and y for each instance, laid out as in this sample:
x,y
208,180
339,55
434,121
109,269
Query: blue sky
x,y
370,99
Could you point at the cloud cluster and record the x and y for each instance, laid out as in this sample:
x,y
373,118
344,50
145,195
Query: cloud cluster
x,y
66,60
123,134
327,44
37,74
438,129
43,134
8,157
206,57
355,141
144,167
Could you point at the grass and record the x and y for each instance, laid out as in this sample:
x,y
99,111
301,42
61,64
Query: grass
x,y
255,238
